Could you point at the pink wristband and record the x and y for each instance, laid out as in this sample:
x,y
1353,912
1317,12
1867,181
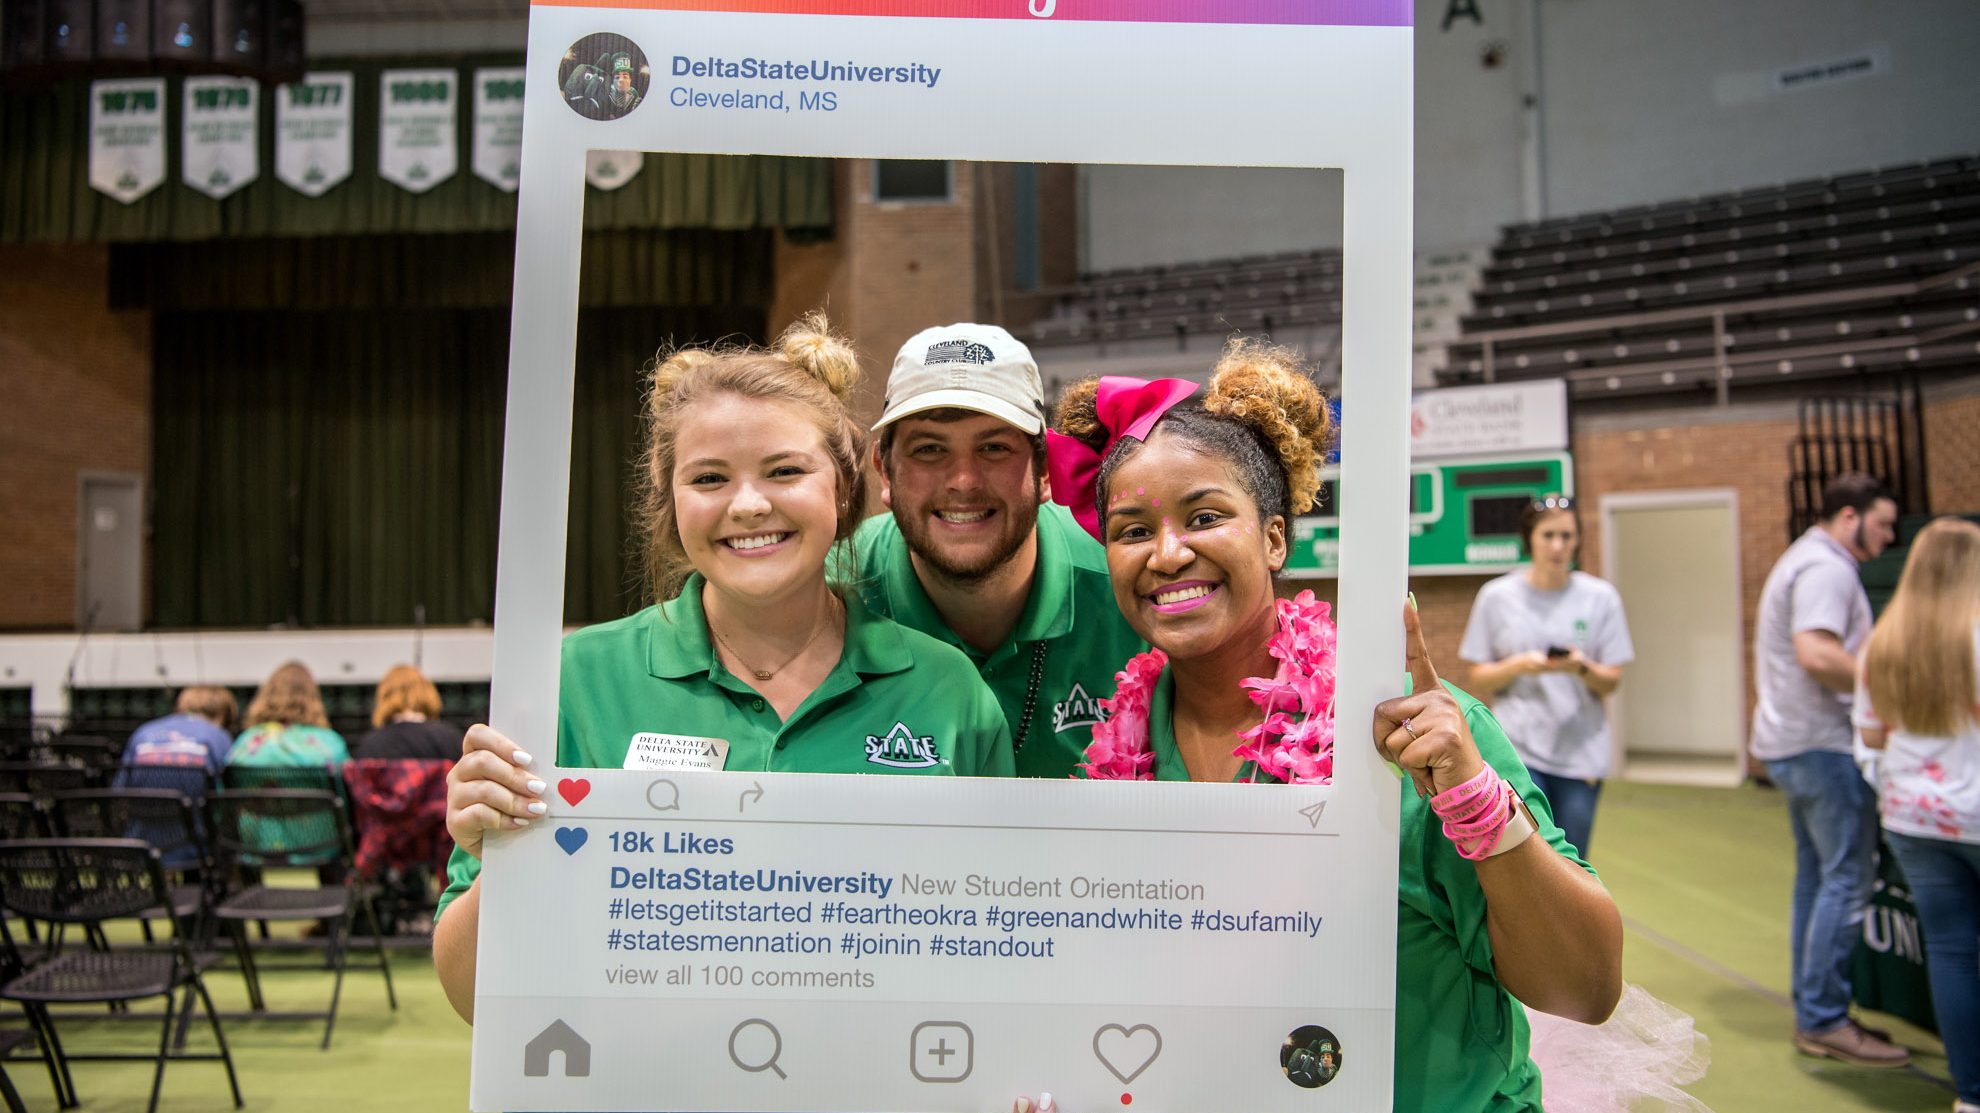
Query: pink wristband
x,y
1475,813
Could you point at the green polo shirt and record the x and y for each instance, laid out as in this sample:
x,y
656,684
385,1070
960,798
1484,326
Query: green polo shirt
x,y
1070,633
897,702
1461,1039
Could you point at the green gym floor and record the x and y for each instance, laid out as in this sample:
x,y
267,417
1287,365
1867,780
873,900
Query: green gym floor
x,y
1702,876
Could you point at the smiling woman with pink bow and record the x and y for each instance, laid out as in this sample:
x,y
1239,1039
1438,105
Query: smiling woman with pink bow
x,y
1193,489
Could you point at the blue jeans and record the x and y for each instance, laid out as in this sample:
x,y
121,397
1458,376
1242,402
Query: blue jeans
x,y
1944,878
1573,801
1834,814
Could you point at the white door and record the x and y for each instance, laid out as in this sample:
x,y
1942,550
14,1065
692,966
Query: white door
x,y
1680,714
110,554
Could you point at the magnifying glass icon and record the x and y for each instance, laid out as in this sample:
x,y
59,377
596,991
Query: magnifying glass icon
x,y
757,1064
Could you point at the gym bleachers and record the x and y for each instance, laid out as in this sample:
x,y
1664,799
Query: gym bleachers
x,y
1212,298
1857,273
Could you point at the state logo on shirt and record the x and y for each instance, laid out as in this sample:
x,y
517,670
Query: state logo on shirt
x,y
901,748
1077,710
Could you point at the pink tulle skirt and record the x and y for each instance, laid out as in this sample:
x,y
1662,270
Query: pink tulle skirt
x,y
1637,1061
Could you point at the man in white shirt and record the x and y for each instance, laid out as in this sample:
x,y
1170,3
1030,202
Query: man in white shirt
x,y
1814,619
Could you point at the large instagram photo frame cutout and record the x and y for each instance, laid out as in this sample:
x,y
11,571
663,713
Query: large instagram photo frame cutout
x,y
1246,83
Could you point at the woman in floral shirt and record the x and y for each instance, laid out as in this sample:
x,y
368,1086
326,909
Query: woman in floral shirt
x,y
1918,700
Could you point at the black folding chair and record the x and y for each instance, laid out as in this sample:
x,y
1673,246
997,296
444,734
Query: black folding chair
x,y
93,752
159,817
310,778
264,829
23,816
41,1030
37,778
191,781
88,881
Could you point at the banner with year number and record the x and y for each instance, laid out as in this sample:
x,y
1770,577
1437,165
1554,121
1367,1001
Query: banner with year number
x,y
418,127
313,131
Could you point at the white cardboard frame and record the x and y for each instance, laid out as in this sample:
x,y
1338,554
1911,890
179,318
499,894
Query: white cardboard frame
x,y
1103,89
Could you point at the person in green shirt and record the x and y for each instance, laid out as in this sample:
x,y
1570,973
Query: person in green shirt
x,y
973,555
1193,489
753,661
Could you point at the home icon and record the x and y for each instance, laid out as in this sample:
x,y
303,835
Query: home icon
x,y
557,1037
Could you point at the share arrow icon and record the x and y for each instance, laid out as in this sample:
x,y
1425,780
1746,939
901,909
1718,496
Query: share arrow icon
x,y
1312,812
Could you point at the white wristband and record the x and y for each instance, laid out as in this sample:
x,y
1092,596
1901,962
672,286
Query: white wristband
x,y
1518,830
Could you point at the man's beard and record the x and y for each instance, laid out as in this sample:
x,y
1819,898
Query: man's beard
x,y
1019,522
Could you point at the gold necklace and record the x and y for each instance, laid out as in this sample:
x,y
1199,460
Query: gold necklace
x,y
766,674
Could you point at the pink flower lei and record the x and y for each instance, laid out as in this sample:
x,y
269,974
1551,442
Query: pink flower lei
x,y
1293,744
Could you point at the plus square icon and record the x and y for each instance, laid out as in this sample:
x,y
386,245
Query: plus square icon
x,y
941,1051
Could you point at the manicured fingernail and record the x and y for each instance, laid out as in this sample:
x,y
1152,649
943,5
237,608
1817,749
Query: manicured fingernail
x,y
521,758
536,787
1412,602
538,807
522,822
1045,1103
1024,1105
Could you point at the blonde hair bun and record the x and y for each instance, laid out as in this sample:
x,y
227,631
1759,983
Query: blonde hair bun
x,y
1078,414
1267,388
811,344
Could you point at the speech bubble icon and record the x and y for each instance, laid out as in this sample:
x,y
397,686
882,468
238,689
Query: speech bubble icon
x,y
572,838
664,795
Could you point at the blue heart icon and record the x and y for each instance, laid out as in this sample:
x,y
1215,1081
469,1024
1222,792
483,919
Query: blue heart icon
x,y
572,838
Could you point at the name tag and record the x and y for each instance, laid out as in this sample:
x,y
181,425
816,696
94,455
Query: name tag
x,y
676,752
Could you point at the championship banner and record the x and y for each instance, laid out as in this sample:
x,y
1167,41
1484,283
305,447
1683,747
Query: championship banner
x,y
221,146
127,136
498,116
684,935
418,140
313,132
608,170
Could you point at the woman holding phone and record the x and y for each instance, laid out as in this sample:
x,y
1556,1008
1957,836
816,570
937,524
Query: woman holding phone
x,y
752,476
1548,643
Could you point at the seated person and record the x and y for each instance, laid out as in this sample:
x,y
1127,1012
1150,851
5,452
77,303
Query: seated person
x,y
198,732
406,723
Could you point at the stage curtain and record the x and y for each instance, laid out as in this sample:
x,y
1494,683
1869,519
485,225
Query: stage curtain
x,y
337,468
45,194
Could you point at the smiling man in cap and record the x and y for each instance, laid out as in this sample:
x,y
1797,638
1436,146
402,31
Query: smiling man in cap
x,y
973,552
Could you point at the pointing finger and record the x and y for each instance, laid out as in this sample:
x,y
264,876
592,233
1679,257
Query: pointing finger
x,y
1422,674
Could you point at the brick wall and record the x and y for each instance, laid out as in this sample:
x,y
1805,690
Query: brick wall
x,y
75,396
1952,444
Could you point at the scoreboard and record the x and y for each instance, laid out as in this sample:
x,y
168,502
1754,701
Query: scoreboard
x,y
1463,515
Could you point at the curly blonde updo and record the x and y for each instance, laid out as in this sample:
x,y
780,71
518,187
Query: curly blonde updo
x,y
809,365
1261,412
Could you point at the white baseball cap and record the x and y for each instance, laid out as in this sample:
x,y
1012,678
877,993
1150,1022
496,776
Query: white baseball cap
x,y
971,367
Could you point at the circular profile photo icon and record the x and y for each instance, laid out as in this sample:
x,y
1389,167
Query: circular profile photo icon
x,y
603,76
1310,1057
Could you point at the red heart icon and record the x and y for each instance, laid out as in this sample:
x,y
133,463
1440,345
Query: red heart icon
x,y
573,789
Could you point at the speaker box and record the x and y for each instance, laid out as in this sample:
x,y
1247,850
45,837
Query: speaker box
x,y
70,29
287,57
240,34
45,42
23,34
182,31
123,30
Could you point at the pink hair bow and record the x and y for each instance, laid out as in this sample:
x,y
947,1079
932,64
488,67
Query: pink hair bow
x,y
1126,408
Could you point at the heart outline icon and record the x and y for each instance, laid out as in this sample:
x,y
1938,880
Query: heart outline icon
x,y
573,790
1126,1034
572,839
